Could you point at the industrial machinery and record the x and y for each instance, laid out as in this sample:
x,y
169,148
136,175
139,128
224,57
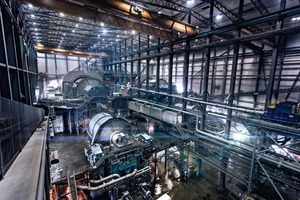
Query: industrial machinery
x,y
79,84
276,146
284,112
119,158
163,87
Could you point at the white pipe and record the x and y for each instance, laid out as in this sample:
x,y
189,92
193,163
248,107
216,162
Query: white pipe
x,y
248,148
135,172
106,178
242,146
201,102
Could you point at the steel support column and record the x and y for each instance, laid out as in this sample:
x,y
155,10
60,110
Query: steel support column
x,y
6,58
279,76
274,59
131,62
213,72
231,94
157,71
139,67
201,73
206,68
125,64
192,72
240,76
225,70
147,67
176,69
170,75
252,165
186,72
120,65
21,96
260,67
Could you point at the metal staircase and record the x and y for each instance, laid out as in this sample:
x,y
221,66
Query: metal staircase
x,y
72,187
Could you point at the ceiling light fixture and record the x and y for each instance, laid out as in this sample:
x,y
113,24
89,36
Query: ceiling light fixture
x,y
64,34
102,24
138,9
34,23
159,12
190,2
30,5
133,31
73,31
294,19
61,14
219,17
80,19
32,15
76,25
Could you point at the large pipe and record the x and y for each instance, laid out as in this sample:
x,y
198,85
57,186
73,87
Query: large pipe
x,y
199,101
273,126
106,178
248,148
103,185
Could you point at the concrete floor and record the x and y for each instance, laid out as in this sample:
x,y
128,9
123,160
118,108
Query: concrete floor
x,y
196,188
71,155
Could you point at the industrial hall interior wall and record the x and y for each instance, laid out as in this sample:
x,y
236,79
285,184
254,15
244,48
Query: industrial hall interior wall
x,y
18,79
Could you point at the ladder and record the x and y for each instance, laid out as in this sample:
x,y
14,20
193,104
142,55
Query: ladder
x,y
72,187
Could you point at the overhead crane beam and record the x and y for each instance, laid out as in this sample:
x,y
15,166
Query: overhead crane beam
x,y
145,15
42,49
175,7
81,9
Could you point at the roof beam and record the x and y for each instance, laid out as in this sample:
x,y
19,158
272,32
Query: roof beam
x,y
96,14
146,15
176,7
260,7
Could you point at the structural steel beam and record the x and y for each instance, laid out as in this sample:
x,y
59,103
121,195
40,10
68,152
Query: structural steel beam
x,y
273,64
175,7
43,49
260,7
231,92
145,15
81,9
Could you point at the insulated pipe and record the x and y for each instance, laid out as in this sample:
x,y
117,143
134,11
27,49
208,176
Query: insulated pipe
x,y
242,146
201,102
106,178
247,148
273,126
135,172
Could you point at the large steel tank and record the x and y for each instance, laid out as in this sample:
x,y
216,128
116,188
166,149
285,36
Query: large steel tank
x,y
103,128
